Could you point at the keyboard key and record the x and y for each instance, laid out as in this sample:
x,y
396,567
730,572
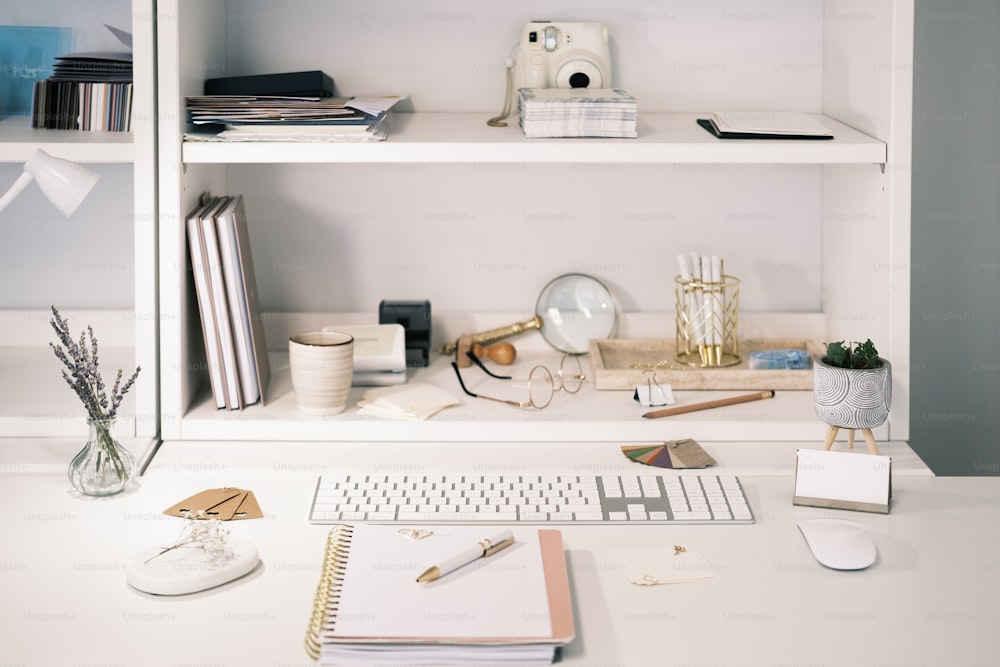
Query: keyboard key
x,y
636,511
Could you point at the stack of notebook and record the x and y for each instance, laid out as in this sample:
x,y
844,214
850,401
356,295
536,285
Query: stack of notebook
x,y
511,608
577,112
235,348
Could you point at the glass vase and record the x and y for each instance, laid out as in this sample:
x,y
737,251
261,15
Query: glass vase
x,y
103,467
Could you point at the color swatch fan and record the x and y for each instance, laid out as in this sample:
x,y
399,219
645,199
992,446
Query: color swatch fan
x,y
650,455
671,454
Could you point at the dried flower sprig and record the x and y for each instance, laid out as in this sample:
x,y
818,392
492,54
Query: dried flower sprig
x,y
82,372
201,532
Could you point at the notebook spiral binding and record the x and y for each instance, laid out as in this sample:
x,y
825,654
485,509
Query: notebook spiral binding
x,y
331,580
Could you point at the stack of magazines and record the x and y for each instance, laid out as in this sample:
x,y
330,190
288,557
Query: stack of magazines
x,y
87,91
577,112
286,118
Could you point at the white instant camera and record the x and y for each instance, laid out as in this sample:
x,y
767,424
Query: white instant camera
x,y
557,55
562,55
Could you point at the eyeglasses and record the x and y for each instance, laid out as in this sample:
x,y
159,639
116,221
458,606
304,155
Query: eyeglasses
x,y
541,381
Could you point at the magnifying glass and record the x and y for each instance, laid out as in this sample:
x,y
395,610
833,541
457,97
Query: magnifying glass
x,y
572,309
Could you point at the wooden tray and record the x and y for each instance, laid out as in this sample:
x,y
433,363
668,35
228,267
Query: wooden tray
x,y
618,363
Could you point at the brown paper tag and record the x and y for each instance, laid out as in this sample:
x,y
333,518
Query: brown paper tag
x,y
225,504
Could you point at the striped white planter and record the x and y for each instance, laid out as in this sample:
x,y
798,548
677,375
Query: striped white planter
x,y
855,398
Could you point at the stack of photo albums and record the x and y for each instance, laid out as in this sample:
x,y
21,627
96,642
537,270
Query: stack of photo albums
x,y
235,347
577,112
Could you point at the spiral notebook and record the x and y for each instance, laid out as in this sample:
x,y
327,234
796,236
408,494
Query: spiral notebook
x,y
511,608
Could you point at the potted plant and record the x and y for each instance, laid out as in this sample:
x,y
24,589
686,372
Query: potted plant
x,y
852,388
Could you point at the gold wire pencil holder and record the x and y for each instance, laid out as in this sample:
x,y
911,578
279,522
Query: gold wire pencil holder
x,y
708,322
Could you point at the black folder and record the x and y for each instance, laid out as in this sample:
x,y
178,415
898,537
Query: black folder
x,y
313,83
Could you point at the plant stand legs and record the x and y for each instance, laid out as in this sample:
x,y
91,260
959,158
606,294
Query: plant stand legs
x,y
870,439
831,435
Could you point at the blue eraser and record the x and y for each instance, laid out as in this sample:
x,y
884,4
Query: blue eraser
x,y
785,359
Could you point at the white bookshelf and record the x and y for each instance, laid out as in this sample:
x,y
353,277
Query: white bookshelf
x,y
465,138
451,210
18,142
41,420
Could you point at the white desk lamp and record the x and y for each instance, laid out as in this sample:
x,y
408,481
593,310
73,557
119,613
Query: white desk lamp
x,y
65,183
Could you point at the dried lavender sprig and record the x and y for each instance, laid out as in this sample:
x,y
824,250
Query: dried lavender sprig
x,y
84,375
117,396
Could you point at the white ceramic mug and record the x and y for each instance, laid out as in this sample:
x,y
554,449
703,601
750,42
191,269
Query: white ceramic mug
x,y
321,364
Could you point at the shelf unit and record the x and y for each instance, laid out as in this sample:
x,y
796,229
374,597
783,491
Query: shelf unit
x,y
474,218
41,421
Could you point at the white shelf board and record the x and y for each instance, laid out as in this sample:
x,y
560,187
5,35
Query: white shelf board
x,y
35,401
18,141
465,137
590,415
768,459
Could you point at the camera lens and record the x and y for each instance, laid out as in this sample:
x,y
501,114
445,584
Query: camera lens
x,y
579,80
533,37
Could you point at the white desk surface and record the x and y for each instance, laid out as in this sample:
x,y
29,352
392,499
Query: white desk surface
x,y
930,599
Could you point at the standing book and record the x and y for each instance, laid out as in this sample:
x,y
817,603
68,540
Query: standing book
x,y
203,292
220,306
244,308
511,608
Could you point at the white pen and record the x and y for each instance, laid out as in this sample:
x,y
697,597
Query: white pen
x,y
698,316
482,549
717,318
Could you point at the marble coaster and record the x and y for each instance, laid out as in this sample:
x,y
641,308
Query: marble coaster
x,y
186,570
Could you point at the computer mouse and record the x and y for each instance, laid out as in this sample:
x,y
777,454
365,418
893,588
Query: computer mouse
x,y
838,543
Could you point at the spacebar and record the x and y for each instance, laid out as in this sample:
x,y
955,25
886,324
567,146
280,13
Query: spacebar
x,y
447,517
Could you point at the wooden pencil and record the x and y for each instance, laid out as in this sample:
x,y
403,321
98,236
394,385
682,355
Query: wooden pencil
x,y
707,405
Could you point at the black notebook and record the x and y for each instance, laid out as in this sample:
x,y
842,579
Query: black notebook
x,y
313,83
765,125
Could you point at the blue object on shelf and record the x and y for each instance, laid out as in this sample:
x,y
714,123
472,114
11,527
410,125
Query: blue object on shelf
x,y
782,359
27,54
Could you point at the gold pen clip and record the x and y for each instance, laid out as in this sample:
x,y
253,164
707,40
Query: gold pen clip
x,y
489,548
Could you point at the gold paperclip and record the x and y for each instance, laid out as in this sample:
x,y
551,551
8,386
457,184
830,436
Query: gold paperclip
x,y
648,580
415,534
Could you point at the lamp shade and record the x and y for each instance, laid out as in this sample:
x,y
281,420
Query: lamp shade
x,y
65,183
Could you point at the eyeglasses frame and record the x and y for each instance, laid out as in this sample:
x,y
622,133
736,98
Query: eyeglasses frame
x,y
529,403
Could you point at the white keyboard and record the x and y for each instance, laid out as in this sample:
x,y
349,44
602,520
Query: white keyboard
x,y
455,498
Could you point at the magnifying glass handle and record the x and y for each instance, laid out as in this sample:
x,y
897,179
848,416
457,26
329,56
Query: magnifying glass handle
x,y
501,353
492,335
